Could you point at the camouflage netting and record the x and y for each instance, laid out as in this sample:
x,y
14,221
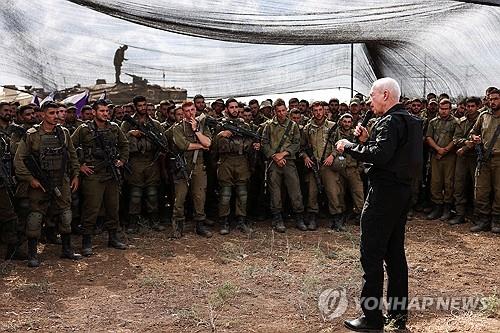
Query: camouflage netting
x,y
231,47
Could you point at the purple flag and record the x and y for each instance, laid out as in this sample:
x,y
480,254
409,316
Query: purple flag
x,y
79,100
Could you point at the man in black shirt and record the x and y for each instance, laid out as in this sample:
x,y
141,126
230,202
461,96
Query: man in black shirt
x,y
392,150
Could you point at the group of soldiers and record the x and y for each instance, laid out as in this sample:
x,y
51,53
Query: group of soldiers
x,y
117,167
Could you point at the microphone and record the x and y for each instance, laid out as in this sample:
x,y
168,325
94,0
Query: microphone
x,y
366,119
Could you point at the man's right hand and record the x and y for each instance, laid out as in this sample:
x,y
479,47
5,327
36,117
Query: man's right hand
x,y
308,162
36,184
476,138
87,170
135,133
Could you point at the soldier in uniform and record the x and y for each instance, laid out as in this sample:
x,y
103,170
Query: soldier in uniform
x,y
71,122
190,137
52,148
317,148
118,61
283,142
98,140
439,137
488,176
118,114
264,114
87,113
466,162
350,173
144,181
233,170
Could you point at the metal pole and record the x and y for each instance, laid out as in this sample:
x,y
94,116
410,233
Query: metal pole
x,y
352,70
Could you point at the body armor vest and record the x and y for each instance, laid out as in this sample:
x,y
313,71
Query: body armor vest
x,y
52,156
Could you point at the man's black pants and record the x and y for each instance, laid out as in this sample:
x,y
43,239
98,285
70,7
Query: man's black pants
x,y
383,223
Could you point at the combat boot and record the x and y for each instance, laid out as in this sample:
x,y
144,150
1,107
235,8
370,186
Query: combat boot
x,y
299,222
114,240
242,225
32,253
177,227
446,213
155,223
202,230
51,236
495,224
224,226
313,225
87,245
484,224
436,212
133,226
278,223
458,219
338,223
67,251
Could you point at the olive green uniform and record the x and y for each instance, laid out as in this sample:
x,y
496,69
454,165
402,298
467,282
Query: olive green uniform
x,y
487,180
465,166
274,132
182,136
100,189
442,132
145,178
316,138
233,170
350,174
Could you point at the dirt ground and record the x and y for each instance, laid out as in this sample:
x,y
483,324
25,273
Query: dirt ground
x,y
268,282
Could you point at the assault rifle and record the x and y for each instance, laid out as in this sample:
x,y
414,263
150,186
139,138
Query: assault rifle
x,y
315,168
36,171
160,141
235,128
110,157
483,158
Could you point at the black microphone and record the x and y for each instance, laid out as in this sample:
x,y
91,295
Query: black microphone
x,y
366,119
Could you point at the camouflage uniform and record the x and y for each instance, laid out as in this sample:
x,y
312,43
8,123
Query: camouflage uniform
x,y
233,172
145,178
56,155
443,169
182,136
315,141
487,180
274,132
100,189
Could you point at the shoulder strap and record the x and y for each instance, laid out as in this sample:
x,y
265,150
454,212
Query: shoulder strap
x,y
492,143
284,137
330,132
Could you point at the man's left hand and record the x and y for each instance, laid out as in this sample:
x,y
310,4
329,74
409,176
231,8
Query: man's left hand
x,y
340,145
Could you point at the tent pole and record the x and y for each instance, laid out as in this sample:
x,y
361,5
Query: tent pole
x,y
352,70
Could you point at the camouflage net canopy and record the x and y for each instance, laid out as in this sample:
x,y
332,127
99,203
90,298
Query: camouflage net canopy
x,y
237,48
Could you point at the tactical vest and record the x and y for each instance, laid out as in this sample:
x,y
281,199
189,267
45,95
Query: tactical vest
x,y
236,144
53,155
93,150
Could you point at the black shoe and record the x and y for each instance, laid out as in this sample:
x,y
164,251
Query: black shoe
x,y
67,251
495,225
484,224
361,324
177,228
313,225
338,223
114,241
32,253
242,225
224,226
436,213
202,230
133,226
459,219
299,222
278,223
446,213
87,245
155,223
